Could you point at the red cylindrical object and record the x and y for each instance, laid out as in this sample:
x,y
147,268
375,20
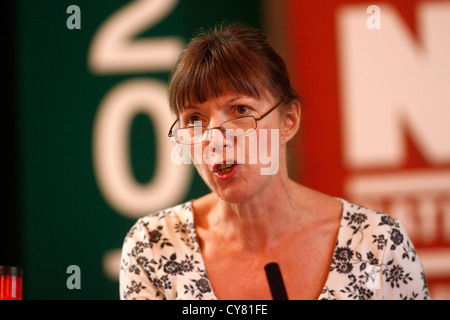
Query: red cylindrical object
x,y
10,283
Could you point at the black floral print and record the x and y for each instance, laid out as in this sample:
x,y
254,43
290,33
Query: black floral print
x,y
343,254
396,237
155,236
373,259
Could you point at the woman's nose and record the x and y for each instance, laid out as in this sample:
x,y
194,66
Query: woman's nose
x,y
216,138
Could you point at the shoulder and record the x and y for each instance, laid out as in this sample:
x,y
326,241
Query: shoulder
x,y
370,243
364,233
156,232
360,224
369,229
355,215
161,257
177,218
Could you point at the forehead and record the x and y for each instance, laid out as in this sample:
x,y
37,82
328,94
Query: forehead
x,y
228,99
201,78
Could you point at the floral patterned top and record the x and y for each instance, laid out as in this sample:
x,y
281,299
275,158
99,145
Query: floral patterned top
x,y
373,259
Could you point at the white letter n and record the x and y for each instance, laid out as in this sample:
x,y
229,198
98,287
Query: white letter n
x,y
391,83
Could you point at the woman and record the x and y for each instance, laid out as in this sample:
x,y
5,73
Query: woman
x,y
229,84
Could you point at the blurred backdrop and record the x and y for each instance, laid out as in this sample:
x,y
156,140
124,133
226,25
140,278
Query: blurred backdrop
x,y
86,120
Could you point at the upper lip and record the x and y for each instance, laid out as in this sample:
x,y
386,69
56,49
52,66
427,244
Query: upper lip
x,y
217,165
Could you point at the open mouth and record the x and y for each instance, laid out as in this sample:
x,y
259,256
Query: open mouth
x,y
224,168
225,171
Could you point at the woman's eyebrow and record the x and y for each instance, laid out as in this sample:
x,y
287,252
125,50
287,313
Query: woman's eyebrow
x,y
193,106
227,102
190,107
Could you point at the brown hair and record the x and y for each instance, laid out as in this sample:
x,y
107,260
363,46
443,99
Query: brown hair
x,y
235,58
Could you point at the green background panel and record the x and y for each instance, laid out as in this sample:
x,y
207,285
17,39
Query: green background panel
x,y
65,220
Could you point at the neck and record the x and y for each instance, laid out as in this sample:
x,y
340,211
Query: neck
x,y
259,220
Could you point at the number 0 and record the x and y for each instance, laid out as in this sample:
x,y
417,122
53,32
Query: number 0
x,y
111,137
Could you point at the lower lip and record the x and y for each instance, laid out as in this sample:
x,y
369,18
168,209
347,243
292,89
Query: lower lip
x,y
228,175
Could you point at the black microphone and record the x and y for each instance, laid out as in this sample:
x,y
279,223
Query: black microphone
x,y
276,283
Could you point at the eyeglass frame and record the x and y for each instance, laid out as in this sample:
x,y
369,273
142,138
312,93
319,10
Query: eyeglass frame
x,y
170,134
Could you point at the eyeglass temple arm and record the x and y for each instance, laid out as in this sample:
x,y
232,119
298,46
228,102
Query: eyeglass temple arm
x,y
171,128
269,111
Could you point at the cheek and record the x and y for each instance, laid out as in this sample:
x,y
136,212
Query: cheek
x,y
206,175
246,148
268,144
196,152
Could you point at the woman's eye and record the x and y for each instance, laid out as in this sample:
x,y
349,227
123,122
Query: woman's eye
x,y
193,120
242,110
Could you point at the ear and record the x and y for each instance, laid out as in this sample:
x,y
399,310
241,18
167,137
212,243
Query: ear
x,y
290,121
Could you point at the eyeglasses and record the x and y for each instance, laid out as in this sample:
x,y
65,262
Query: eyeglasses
x,y
232,128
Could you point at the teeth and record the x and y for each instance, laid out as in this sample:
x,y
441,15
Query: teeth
x,y
225,168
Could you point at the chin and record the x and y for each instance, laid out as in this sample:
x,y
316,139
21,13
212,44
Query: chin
x,y
243,186
233,196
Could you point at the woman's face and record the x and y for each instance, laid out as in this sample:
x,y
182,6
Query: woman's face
x,y
235,167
